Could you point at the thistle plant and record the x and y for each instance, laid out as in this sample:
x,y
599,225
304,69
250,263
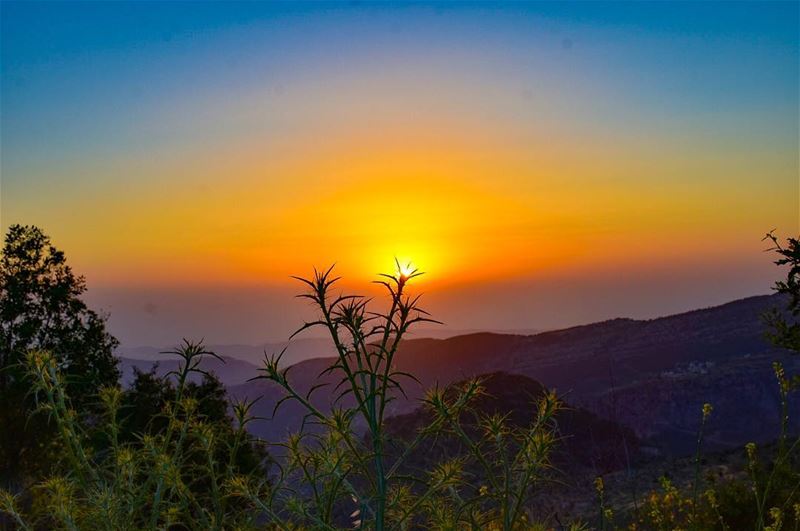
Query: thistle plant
x,y
155,481
366,343
707,409
349,471
509,461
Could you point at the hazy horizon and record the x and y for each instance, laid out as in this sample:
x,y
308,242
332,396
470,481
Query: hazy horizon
x,y
547,164
253,316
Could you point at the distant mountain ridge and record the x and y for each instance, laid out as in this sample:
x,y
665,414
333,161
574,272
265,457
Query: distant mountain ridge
x,y
610,368
230,371
652,376
296,351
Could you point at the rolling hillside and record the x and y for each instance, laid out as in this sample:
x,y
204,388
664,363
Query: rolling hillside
x,y
651,375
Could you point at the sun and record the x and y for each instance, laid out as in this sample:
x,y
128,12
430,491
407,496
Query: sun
x,y
409,260
405,268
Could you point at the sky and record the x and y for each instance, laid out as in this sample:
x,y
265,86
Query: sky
x,y
546,164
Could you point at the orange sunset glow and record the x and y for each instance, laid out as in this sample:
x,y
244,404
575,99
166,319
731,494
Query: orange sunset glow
x,y
518,160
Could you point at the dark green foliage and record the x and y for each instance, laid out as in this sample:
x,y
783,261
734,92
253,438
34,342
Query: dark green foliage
x,y
182,472
786,332
41,308
145,404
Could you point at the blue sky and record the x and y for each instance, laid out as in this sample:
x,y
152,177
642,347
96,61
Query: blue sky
x,y
178,143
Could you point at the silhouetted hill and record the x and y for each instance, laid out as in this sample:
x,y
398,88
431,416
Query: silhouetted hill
x,y
588,442
652,375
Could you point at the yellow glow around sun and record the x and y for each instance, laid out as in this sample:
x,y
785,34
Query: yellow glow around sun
x,y
359,167
405,268
431,223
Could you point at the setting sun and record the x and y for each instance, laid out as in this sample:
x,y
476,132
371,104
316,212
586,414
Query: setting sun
x,y
405,269
489,147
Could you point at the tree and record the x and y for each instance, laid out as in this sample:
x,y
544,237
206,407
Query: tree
x,y
41,308
149,396
786,333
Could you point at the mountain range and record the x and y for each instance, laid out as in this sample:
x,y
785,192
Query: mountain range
x,y
296,351
650,376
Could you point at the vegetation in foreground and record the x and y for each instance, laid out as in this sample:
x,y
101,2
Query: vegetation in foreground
x,y
166,453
